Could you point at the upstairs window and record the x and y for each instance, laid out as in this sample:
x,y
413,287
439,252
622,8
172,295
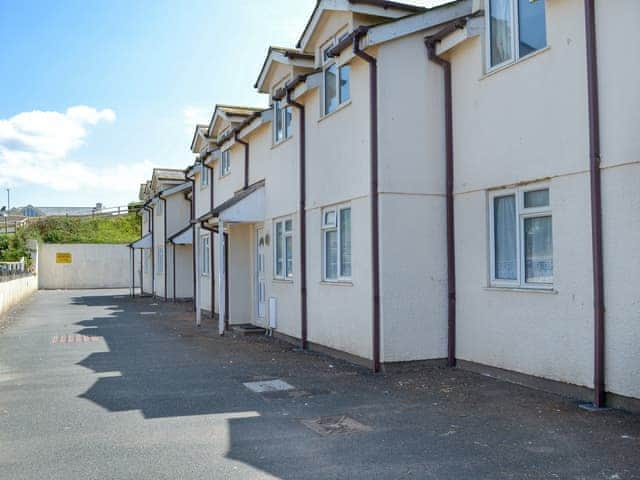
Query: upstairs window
x,y
517,28
204,176
282,122
336,85
225,163
521,238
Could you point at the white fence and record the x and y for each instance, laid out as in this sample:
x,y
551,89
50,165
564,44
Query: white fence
x,y
76,266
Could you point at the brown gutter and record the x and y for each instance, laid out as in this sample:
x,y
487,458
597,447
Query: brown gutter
x,y
373,192
599,397
246,159
431,43
302,208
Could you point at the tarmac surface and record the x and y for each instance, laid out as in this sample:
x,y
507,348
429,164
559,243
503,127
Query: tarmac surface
x,y
96,385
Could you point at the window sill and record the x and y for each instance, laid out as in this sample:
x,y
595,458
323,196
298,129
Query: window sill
x,y
339,108
500,68
337,283
287,281
225,175
277,144
547,290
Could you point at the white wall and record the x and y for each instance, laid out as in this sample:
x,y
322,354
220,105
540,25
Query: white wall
x,y
93,266
15,291
529,122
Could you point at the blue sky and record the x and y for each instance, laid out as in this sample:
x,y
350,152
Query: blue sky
x,y
94,94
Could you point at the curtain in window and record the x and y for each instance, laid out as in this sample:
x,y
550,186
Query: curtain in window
x,y
288,248
345,242
287,122
504,219
538,247
345,81
331,254
279,256
330,87
278,115
501,20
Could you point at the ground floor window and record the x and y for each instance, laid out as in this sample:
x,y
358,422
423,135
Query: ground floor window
x,y
521,237
204,255
283,248
336,243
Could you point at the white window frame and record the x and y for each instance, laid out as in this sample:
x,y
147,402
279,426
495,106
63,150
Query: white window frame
x,y
280,112
225,162
335,226
286,274
204,176
205,255
522,214
515,37
326,63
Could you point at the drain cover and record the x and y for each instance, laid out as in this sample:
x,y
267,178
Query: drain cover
x,y
337,425
266,386
74,339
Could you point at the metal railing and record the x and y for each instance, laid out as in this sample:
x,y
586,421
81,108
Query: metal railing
x,y
13,270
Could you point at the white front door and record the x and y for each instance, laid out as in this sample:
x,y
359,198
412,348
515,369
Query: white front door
x,y
260,283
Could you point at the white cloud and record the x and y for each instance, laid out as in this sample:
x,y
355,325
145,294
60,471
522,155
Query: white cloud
x,y
34,147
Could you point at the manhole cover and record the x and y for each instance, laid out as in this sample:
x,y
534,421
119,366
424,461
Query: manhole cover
x,y
265,386
74,339
338,425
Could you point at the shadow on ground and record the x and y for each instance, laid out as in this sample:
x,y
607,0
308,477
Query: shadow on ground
x,y
422,423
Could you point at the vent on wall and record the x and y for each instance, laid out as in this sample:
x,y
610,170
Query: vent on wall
x,y
273,312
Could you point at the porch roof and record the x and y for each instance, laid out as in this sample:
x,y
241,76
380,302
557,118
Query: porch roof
x,y
144,242
183,237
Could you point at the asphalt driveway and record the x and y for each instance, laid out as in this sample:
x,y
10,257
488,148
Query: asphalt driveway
x,y
95,385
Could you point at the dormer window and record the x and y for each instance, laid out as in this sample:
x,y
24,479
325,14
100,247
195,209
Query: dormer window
x,y
225,163
204,176
336,80
516,29
282,122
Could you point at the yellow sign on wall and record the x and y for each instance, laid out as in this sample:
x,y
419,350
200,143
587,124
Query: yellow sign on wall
x,y
63,257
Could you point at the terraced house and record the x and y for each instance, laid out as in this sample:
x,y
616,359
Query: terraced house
x,y
449,184
166,243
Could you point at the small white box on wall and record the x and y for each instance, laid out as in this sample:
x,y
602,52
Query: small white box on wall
x,y
273,312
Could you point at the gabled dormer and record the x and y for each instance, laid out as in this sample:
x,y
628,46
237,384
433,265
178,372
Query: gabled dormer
x,y
282,65
200,139
164,178
332,19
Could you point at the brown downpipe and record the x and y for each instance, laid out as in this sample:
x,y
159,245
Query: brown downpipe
x,y
211,249
226,280
246,159
431,43
373,193
153,246
164,255
302,168
193,242
599,397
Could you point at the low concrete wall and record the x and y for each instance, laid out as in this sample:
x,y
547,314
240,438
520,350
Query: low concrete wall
x,y
91,266
15,291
